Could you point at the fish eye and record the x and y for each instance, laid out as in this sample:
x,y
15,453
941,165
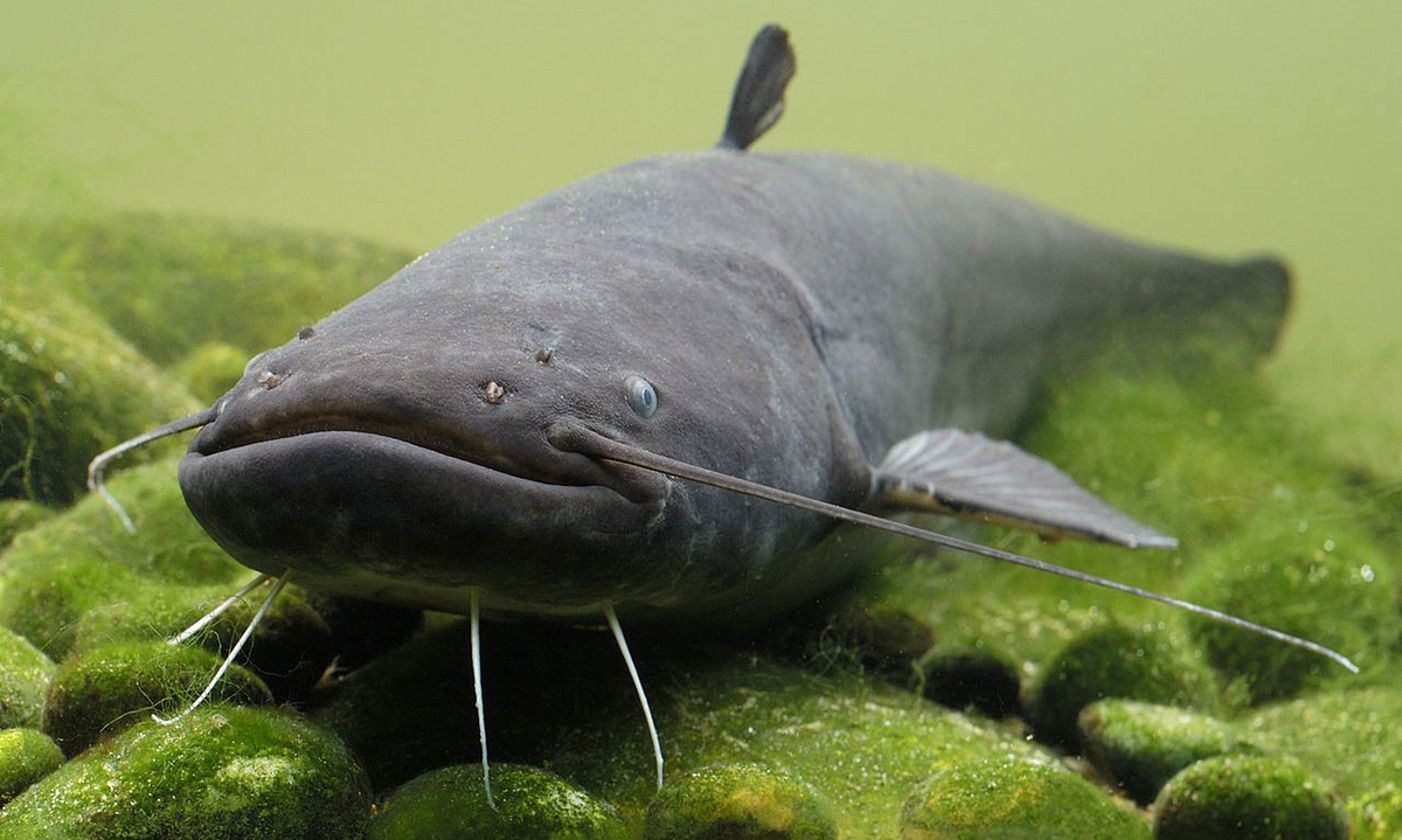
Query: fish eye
x,y
641,396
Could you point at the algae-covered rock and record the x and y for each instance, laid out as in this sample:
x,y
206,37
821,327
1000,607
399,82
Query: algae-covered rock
x,y
223,773
169,284
1340,591
1015,798
738,802
562,699
26,756
19,515
531,804
1248,798
25,673
79,581
70,387
969,676
211,369
1377,815
1354,738
1116,660
1142,745
862,746
885,640
99,693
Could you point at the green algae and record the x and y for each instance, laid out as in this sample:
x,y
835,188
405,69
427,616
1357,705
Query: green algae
x,y
26,756
531,804
79,580
25,673
1142,745
562,700
738,802
222,773
1116,660
862,746
1271,528
101,692
70,387
19,515
968,676
887,641
1015,799
211,369
1354,737
1341,593
1248,798
169,284
1377,815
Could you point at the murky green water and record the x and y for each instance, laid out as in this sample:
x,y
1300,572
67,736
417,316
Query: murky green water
x,y
1223,127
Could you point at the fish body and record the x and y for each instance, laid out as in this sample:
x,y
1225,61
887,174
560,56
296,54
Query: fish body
x,y
796,315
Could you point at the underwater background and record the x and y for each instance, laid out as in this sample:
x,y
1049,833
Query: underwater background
x,y
295,154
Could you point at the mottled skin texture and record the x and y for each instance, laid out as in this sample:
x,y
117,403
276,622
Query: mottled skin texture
x,y
797,315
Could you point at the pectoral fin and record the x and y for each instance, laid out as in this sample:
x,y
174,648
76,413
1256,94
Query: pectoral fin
x,y
965,474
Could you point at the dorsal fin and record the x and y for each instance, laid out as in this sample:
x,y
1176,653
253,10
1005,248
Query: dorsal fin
x,y
759,92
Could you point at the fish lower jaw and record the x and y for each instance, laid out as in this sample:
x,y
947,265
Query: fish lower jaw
x,y
451,599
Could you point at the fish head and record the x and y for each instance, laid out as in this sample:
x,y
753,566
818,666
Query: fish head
x,y
425,441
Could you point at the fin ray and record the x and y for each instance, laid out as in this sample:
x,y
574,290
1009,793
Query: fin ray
x,y
965,474
758,101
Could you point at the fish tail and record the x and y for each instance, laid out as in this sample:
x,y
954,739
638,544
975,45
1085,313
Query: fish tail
x,y
1266,287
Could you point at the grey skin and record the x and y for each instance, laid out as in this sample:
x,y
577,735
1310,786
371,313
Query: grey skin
x,y
797,314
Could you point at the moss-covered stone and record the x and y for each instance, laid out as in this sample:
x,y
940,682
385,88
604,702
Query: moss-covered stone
x,y
1142,745
211,369
1246,798
968,676
1354,738
169,284
861,746
223,773
738,802
19,515
885,640
1377,815
1012,798
78,581
101,692
70,387
531,804
26,756
1116,660
25,673
1205,453
1339,590
562,699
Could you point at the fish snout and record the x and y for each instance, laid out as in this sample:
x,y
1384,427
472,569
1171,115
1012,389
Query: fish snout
x,y
638,485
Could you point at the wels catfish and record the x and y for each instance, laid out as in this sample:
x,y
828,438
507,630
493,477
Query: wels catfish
x,y
566,412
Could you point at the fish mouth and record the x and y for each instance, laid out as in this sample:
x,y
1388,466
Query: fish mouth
x,y
530,461
369,510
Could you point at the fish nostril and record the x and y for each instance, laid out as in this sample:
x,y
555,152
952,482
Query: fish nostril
x,y
493,393
305,333
544,355
270,380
